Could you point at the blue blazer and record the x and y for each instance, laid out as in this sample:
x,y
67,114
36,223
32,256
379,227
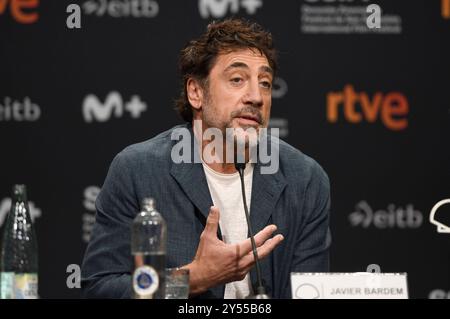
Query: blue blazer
x,y
296,198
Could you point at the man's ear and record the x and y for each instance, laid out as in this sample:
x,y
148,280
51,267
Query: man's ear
x,y
194,93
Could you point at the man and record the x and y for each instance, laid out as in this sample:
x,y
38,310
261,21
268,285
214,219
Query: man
x,y
227,79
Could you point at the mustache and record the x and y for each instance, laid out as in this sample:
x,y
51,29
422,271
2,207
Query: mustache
x,y
251,111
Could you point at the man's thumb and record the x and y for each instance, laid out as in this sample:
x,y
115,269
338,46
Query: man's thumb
x,y
212,222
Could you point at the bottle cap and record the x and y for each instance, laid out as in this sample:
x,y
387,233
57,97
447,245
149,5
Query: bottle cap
x,y
20,192
148,204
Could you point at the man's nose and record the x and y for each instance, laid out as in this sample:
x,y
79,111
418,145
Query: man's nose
x,y
253,95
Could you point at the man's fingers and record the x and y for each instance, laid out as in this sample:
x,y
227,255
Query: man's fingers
x,y
264,250
269,245
260,238
212,222
264,234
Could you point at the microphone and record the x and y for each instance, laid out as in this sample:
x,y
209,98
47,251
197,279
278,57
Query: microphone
x,y
260,290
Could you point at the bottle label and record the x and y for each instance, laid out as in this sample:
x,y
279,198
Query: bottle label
x,y
145,281
7,285
26,286
19,286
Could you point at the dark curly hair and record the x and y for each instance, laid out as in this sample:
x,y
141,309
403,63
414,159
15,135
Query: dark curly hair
x,y
198,56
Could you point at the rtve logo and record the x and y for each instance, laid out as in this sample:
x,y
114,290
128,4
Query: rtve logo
x,y
21,10
94,110
392,108
445,9
220,8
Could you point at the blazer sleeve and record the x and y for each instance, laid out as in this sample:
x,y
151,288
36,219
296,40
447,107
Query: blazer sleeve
x,y
107,264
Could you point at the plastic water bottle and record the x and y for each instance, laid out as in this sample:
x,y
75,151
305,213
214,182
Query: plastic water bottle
x,y
19,255
148,247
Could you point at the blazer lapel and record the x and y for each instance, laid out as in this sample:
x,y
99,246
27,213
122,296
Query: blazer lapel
x,y
266,189
191,178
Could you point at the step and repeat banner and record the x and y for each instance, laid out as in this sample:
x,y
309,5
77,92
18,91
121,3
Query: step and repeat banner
x,y
363,88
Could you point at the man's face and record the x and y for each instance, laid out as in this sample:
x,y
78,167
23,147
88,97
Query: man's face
x,y
239,92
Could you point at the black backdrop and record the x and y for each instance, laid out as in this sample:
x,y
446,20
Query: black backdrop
x,y
385,176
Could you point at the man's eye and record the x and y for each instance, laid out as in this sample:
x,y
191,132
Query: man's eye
x,y
266,84
236,80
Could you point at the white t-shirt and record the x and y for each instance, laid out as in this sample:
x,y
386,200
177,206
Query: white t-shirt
x,y
226,193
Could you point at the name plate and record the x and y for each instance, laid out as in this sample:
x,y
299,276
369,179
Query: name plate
x,y
360,285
